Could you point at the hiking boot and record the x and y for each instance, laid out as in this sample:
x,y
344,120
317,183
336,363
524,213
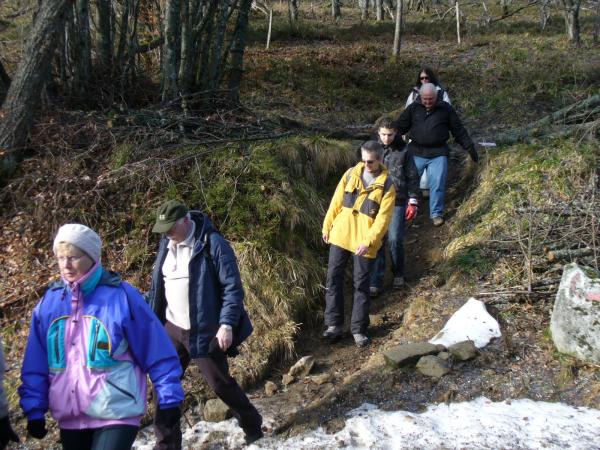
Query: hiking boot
x,y
249,438
333,332
437,221
398,283
374,291
361,340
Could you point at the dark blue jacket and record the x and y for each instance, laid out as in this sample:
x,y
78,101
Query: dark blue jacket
x,y
216,295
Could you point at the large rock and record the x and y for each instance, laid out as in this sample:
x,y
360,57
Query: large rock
x,y
408,354
463,350
270,388
216,411
470,322
302,367
575,322
432,366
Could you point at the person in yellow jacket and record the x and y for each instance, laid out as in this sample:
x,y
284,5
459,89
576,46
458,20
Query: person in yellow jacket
x,y
356,222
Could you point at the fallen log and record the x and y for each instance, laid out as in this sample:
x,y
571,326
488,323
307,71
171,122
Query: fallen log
x,y
564,254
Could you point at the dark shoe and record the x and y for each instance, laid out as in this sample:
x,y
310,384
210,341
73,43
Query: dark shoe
x,y
437,221
361,340
333,332
398,282
253,437
374,291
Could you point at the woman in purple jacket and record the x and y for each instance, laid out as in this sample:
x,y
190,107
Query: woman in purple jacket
x,y
92,341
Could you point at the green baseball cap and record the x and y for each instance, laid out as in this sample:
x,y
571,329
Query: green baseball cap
x,y
168,213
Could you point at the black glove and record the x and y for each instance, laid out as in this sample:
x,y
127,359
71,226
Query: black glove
x,y
6,433
473,154
168,417
37,428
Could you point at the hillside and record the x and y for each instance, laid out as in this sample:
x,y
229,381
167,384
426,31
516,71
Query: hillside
x,y
265,174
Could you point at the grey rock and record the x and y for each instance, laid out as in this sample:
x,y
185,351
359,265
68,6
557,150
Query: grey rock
x,y
432,366
463,350
287,379
575,321
408,354
321,379
302,367
270,388
216,411
444,356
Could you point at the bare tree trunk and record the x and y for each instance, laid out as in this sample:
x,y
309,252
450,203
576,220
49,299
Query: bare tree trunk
x,y
398,29
237,51
171,53
336,11
104,35
364,9
293,10
214,74
379,10
24,92
4,83
597,23
572,20
84,45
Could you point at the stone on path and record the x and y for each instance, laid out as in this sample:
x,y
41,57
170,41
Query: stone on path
x,y
408,354
302,367
463,350
216,411
432,366
270,388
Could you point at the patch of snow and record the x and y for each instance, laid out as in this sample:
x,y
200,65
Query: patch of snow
x,y
470,322
478,424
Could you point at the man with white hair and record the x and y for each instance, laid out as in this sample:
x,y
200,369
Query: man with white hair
x,y
428,122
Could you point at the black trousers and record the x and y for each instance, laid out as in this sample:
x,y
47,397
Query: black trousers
x,y
334,298
215,371
114,437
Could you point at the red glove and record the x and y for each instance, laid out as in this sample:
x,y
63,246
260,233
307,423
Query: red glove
x,y
411,209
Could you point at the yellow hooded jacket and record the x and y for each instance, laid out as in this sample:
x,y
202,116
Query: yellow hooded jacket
x,y
359,215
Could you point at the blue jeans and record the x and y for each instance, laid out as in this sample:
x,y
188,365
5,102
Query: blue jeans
x,y
437,172
395,241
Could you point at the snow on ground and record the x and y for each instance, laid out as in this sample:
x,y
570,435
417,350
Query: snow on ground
x,y
478,424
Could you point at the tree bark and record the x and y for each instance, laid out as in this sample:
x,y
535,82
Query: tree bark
x,y
171,50
237,51
398,29
104,35
336,11
364,9
379,10
572,20
84,45
293,10
24,92
4,83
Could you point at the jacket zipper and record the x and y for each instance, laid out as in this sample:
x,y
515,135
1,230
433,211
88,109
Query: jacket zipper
x,y
56,348
120,389
95,344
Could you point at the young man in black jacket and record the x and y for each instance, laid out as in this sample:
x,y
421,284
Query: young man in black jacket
x,y
404,174
429,122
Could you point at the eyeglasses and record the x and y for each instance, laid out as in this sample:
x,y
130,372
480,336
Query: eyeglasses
x,y
424,78
369,161
70,259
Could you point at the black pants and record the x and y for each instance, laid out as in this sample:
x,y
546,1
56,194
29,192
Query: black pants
x,y
114,437
215,370
334,298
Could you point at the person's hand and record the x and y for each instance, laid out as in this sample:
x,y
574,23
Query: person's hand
x,y
224,337
37,428
6,433
326,238
411,209
474,155
362,250
168,417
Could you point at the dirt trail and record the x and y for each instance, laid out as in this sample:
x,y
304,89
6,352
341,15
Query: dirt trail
x,y
342,360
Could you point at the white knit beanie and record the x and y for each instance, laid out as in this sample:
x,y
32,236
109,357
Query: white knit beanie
x,y
81,237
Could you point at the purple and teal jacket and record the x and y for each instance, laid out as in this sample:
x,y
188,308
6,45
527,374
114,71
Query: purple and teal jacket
x,y
90,346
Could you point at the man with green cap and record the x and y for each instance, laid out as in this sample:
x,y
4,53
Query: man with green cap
x,y
197,293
